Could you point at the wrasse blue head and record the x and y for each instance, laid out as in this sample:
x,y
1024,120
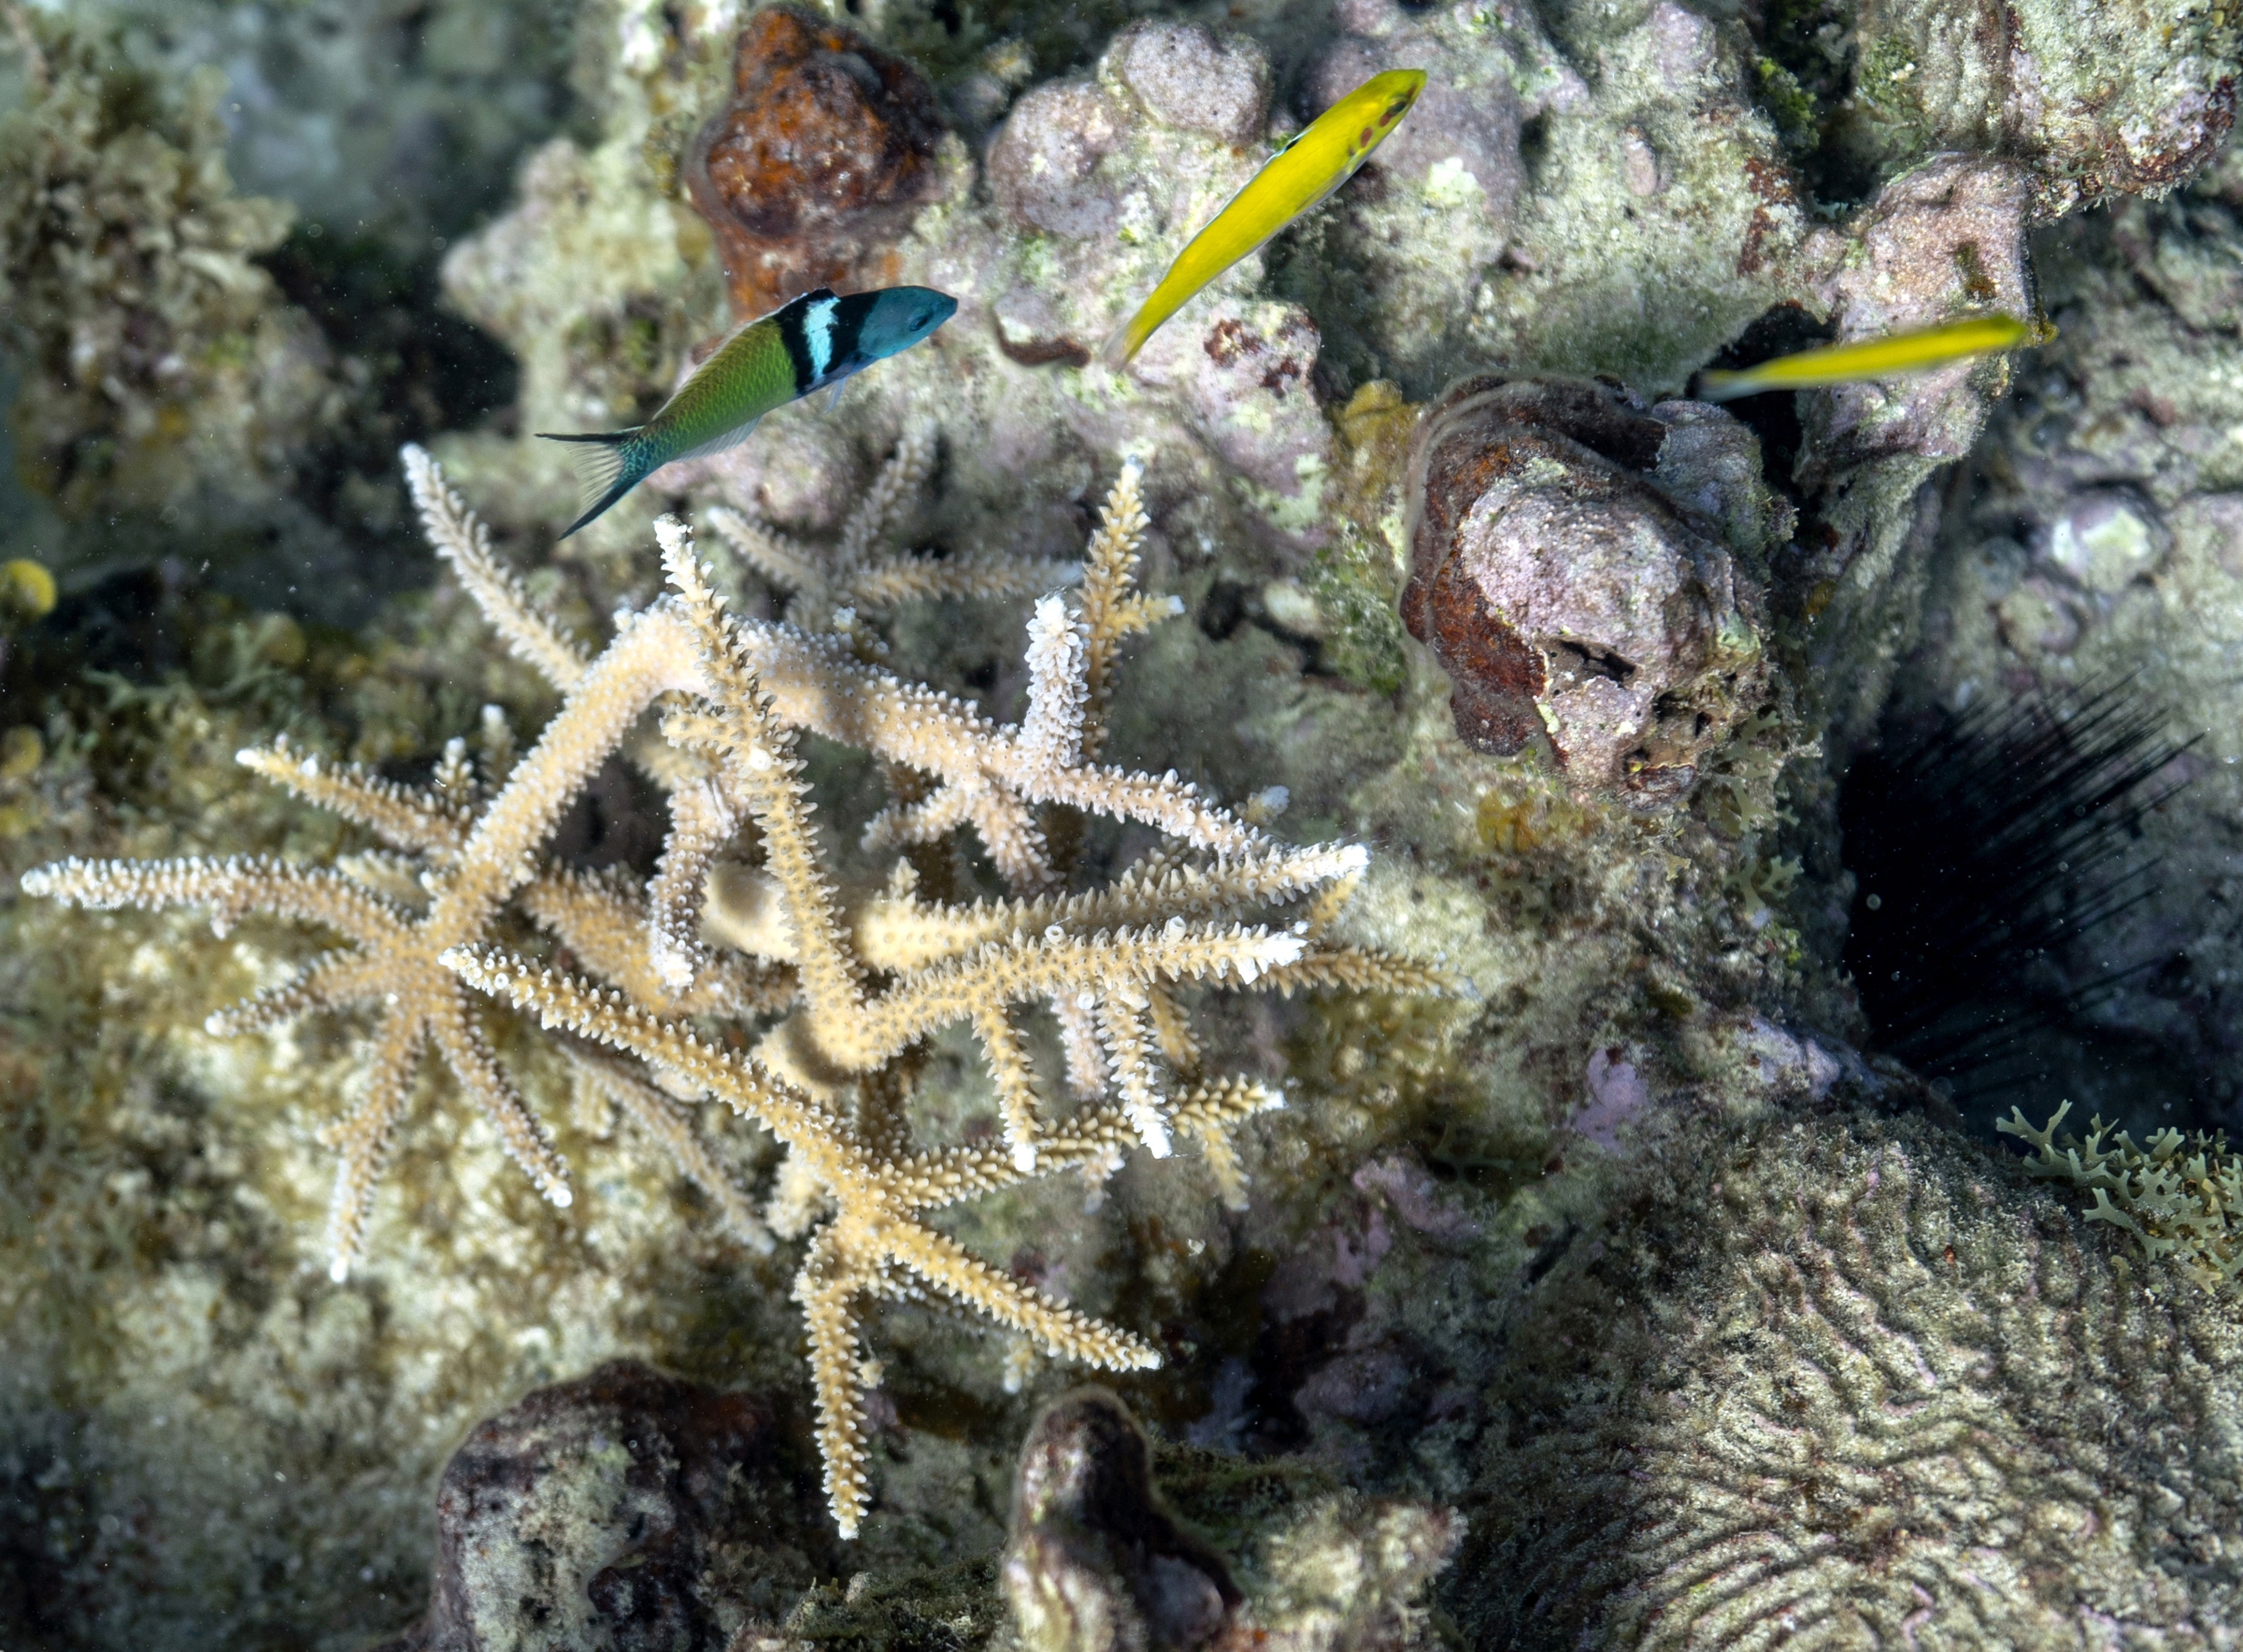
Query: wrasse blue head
x,y
899,318
830,338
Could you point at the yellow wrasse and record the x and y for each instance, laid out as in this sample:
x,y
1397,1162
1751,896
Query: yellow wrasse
x,y
1896,353
1319,160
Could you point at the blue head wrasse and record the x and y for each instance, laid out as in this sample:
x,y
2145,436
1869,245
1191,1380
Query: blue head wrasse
x,y
1321,157
804,344
1913,351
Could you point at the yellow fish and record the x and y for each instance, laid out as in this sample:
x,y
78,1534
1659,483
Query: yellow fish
x,y
27,590
1896,353
1321,157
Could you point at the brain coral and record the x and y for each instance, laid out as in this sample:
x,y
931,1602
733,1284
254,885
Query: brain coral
x,y
1886,1395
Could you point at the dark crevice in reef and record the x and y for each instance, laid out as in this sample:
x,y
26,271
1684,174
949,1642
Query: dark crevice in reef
x,y
1993,852
428,370
1774,415
410,370
1805,84
1231,604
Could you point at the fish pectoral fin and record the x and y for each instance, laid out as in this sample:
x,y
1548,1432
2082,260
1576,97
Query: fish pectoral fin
x,y
834,396
723,442
1323,195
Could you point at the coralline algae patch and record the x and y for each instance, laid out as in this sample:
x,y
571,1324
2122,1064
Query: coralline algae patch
x,y
821,157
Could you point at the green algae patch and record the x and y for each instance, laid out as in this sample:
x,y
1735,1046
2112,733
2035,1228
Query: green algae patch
x,y
2180,1196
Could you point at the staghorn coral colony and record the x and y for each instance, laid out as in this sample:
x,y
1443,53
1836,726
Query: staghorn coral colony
x,y
831,1078
1261,1000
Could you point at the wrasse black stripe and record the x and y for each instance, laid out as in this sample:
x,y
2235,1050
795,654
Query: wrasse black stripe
x,y
848,332
794,334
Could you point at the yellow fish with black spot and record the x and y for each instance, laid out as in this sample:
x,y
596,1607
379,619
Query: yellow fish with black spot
x,y
1914,351
1321,157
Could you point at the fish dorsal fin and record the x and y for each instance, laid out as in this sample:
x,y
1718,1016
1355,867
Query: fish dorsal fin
x,y
799,301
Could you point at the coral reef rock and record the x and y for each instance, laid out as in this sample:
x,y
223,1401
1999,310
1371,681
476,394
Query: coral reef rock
x,y
1350,1576
158,357
2097,538
602,288
1095,1562
1945,238
1191,79
1859,1382
2071,90
819,162
1564,590
1435,202
625,1512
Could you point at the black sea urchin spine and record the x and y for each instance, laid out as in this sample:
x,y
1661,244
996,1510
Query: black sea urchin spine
x,y
1983,847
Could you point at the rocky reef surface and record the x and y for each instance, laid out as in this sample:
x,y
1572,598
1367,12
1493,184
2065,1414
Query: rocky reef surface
x,y
1640,1266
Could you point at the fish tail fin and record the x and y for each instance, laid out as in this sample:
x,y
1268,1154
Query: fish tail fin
x,y
1123,343
606,469
1716,385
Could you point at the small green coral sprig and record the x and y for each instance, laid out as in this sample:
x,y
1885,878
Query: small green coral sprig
x,y
2180,1196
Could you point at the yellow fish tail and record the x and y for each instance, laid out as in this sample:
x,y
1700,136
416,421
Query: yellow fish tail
x,y
1124,341
1716,384
1720,384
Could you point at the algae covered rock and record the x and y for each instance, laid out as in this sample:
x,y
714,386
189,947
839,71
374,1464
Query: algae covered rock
x,y
1435,205
621,1511
1564,593
1191,77
1940,240
1043,164
2116,99
1947,237
160,357
827,144
1096,1564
